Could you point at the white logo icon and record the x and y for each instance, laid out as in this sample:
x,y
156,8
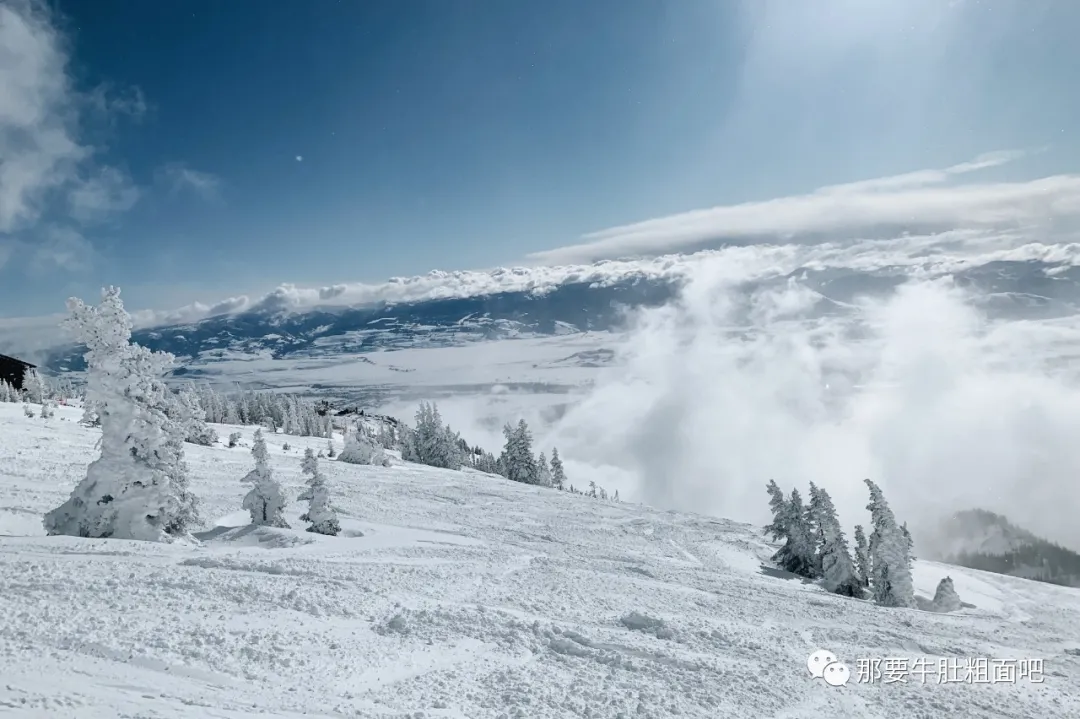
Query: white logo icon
x,y
836,674
818,661
824,665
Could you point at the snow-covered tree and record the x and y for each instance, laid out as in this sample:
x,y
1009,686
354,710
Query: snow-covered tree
x,y
190,414
543,472
361,449
862,556
138,487
789,524
890,576
815,519
7,392
47,409
837,570
908,541
430,442
34,387
265,501
517,461
330,451
945,598
558,475
320,516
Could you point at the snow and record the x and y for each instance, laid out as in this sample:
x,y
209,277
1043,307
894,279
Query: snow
x,y
457,594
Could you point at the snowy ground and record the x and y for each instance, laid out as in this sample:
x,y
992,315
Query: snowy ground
x,y
546,366
462,595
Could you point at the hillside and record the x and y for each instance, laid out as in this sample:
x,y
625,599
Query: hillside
x,y
984,540
461,595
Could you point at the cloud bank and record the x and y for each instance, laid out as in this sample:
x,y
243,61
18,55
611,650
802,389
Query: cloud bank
x,y
945,409
924,200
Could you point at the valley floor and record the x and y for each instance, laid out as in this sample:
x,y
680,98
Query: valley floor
x,y
454,594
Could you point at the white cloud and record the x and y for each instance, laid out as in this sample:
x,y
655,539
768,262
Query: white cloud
x,y
943,408
61,248
181,178
919,200
108,192
44,162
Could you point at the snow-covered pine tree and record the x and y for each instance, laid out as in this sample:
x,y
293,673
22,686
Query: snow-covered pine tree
x,y
360,449
909,541
265,501
862,556
517,460
781,529
138,487
330,452
543,472
558,474
945,598
6,391
28,410
34,389
191,415
47,409
814,520
234,439
837,570
321,517
890,582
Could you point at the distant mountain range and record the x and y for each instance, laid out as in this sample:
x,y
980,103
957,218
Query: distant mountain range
x,y
1013,289
983,540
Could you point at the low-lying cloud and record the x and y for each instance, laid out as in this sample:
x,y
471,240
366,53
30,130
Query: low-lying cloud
x,y
925,200
945,409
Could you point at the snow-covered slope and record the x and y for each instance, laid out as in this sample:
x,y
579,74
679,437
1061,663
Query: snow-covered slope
x,y
462,595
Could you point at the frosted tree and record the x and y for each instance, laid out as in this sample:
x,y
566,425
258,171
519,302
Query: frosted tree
x,y
796,555
321,517
191,415
265,501
890,577
837,570
361,449
558,475
543,472
862,556
138,487
908,541
945,598
330,451
815,519
47,409
7,392
34,387
517,460
430,442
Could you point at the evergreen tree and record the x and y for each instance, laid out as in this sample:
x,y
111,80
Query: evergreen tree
x,y
558,475
138,487
890,582
815,520
360,449
543,472
908,541
330,445
189,412
789,524
265,501
837,569
517,461
320,515
34,388
862,556
945,598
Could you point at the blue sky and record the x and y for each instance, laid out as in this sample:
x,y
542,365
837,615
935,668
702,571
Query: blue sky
x,y
155,145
